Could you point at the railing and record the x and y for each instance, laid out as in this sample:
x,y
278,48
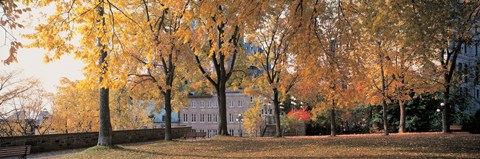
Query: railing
x,y
263,127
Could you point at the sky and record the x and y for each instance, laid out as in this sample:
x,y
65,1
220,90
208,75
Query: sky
x,y
30,60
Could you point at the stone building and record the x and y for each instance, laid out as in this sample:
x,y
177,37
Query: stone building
x,y
202,113
468,67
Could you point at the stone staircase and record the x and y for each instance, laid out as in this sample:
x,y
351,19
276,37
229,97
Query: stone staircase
x,y
269,131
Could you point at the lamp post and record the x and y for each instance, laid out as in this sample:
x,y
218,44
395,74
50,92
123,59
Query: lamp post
x,y
441,107
240,120
293,102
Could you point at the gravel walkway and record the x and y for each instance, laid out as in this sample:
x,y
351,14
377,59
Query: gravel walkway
x,y
54,154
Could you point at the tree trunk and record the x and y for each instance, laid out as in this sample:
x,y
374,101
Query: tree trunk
x,y
446,111
385,121
276,105
168,115
105,130
222,109
401,128
333,131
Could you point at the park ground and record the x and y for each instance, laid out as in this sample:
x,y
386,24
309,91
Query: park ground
x,y
409,145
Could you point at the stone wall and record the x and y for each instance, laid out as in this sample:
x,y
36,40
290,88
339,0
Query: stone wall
x,y
52,142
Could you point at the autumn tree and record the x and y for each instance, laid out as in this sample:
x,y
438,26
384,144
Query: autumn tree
x,y
22,102
214,35
93,22
381,38
443,28
32,106
162,58
328,64
274,57
412,64
75,108
252,121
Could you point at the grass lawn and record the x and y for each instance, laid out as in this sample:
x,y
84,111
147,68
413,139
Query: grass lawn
x,y
411,145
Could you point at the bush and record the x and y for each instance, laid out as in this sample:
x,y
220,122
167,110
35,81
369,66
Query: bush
x,y
473,126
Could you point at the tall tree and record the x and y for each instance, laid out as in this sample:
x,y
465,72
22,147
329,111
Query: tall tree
x,y
92,20
328,64
215,37
160,60
105,130
443,28
381,37
405,60
274,57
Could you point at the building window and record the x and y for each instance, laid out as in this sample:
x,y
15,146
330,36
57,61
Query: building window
x,y
231,103
270,111
476,43
209,118
209,104
194,118
240,103
215,103
215,118
476,73
251,99
478,92
202,118
192,104
231,132
185,118
230,117
202,104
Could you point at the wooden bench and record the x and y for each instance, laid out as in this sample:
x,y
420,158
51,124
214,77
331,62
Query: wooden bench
x,y
12,151
189,135
194,135
455,128
201,134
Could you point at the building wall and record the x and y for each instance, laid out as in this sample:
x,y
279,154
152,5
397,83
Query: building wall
x,y
43,143
202,113
468,67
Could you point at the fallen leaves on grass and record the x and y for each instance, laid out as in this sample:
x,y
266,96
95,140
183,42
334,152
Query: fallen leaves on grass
x,y
411,145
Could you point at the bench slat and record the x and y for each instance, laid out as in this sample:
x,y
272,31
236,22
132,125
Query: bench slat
x,y
15,151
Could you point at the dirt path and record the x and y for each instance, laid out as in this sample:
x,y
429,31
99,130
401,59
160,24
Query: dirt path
x,y
53,154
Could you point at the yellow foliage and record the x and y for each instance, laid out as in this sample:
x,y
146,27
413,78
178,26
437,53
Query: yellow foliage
x,y
252,120
76,109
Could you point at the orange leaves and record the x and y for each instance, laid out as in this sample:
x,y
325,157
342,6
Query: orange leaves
x,y
302,114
